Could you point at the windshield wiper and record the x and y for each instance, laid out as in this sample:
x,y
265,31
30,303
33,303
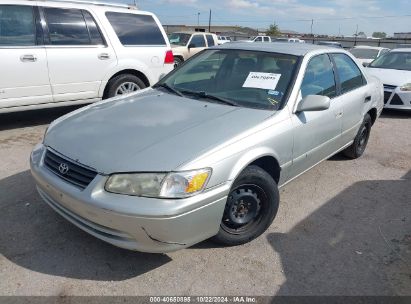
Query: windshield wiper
x,y
203,94
168,88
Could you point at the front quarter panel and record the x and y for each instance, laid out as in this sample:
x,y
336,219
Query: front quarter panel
x,y
272,137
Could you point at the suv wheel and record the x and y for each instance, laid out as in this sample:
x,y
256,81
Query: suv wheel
x,y
250,209
177,61
124,84
360,142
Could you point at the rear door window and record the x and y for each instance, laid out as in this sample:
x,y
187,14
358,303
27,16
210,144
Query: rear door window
x,y
95,34
17,25
198,41
133,29
210,40
66,26
319,78
348,73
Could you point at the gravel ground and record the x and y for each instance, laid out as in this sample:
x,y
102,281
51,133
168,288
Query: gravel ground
x,y
344,228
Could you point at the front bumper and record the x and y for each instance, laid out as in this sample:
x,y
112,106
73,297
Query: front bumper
x,y
135,223
394,98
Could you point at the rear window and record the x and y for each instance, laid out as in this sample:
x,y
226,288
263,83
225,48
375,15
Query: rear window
x,y
210,40
133,29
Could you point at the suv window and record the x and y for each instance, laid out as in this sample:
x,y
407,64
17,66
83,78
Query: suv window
x,y
17,25
66,26
133,29
348,72
210,40
95,34
319,77
198,41
259,39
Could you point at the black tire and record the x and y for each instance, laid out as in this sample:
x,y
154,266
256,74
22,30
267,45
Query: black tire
x,y
250,209
360,142
177,61
115,83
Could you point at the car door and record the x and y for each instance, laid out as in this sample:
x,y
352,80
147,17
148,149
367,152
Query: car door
x,y
196,44
354,95
23,64
78,55
316,133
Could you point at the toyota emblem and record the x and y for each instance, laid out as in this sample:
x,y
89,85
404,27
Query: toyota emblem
x,y
63,168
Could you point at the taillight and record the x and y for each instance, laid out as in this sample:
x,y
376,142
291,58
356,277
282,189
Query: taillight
x,y
169,58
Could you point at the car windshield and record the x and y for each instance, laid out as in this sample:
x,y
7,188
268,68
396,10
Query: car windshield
x,y
361,53
237,77
393,60
179,39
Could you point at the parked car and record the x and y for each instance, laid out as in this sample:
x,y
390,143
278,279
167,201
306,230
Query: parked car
x,y
187,44
203,152
330,43
259,39
56,53
223,39
291,40
394,70
366,54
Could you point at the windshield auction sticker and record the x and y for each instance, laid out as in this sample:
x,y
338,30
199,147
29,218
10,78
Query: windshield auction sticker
x,y
266,81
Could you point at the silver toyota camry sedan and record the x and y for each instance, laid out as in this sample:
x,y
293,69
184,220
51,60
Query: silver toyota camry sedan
x,y
202,153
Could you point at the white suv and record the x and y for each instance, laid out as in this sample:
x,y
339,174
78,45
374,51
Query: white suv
x,y
56,53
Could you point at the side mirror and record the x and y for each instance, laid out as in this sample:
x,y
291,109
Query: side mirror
x,y
191,46
313,103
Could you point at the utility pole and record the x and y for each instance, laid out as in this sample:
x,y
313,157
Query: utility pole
x,y
356,35
198,19
312,24
209,23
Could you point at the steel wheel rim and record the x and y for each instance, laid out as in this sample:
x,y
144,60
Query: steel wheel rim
x,y
127,88
363,138
248,196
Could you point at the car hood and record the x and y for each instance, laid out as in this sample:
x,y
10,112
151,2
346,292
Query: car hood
x,y
390,76
150,131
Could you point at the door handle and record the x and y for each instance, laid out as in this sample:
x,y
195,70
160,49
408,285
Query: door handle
x,y
104,56
367,99
28,58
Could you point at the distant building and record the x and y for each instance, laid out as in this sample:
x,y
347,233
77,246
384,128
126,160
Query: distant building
x,y
402,35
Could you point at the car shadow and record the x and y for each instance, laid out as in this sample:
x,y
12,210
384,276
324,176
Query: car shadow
x,y
15,120
397,114
358,243
33,236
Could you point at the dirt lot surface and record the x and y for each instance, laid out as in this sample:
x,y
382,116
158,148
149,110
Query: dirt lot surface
x,y
344,228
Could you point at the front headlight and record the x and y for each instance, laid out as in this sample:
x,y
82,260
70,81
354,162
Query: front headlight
x,y
160,185
406,87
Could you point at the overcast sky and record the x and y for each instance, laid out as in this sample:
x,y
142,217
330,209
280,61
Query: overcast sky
x,y
330,16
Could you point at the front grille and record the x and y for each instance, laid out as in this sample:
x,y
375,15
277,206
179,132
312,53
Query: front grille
x,y
389,87
387,96
396,100
66,169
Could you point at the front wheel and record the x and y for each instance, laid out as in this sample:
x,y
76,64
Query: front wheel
x,y
251,207
357,149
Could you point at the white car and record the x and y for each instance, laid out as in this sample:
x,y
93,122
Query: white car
x,y
394,70
366,54
56,53
291,40
223,39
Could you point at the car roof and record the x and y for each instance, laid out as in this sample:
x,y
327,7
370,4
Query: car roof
x,y
192,32
368,47
300,49
403,50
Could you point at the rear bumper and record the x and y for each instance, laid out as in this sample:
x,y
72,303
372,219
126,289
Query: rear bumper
x,y
135,223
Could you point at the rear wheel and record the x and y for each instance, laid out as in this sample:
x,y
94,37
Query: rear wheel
x,y
124,84
361,140
250,208
177,61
